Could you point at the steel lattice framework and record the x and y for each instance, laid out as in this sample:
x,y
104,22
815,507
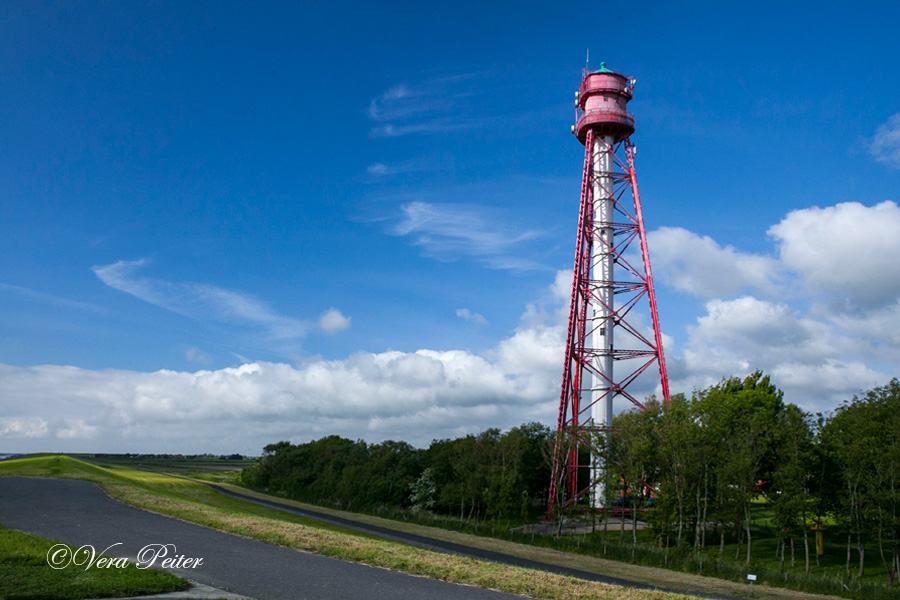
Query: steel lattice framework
x,y
606,285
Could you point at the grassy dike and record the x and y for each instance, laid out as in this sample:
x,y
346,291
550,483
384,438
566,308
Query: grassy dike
x,y
197,503
655,576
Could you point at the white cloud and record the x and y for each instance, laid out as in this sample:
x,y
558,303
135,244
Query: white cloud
x,y
433,126
363,396
818,317
414,396
202,302
765,331
13,428
816,363
834,380
466,315
885,145
817,354
448,231
333,321
379,169
848,251
562,286
388,106
700,266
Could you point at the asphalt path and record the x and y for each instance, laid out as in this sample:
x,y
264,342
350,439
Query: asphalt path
x,y
435,544
78,512
452,548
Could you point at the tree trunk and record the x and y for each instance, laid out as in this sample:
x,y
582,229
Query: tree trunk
x,y
705,506
697,525
849,542
749,535
634,511
805,539
860,544
793,554
896,568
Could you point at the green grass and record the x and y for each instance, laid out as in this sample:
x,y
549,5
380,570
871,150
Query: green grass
x,y
646,563
25,574
157,492
198,503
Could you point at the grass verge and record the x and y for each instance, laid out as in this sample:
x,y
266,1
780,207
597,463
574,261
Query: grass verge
x,y
25,574
197,503
665,578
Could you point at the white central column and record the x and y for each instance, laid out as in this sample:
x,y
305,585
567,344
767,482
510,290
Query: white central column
x,y
602,273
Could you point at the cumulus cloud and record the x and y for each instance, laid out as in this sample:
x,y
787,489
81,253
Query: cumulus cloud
x,y
363,396
848,251
815,364
766,331
885,145
699,266
818,352
414,396
819,315
204,301
333,321
15,428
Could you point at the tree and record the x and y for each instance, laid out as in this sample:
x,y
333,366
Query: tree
x,y
863,438
422,492
790,497
738,417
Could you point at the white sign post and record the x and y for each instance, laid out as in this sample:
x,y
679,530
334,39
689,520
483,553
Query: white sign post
x,y
751,579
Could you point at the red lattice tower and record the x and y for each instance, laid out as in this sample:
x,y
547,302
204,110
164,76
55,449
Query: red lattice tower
x,y
603,331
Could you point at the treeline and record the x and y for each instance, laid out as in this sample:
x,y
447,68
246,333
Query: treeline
x,y
489,475
703,460
694,468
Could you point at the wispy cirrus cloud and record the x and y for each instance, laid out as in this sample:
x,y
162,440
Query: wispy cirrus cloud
x,y
50,298
448,231
432,106
434,126
381,170
209,302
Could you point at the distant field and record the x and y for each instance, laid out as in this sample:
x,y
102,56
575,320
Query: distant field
x,y
169,463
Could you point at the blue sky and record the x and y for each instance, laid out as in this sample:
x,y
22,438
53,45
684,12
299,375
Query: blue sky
x,y
226,224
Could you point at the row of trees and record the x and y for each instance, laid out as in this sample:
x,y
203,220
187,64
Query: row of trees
x,y
707,458
489,475
694,467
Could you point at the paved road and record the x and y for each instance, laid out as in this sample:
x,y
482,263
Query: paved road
x,y
452,548
78,512
438,545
